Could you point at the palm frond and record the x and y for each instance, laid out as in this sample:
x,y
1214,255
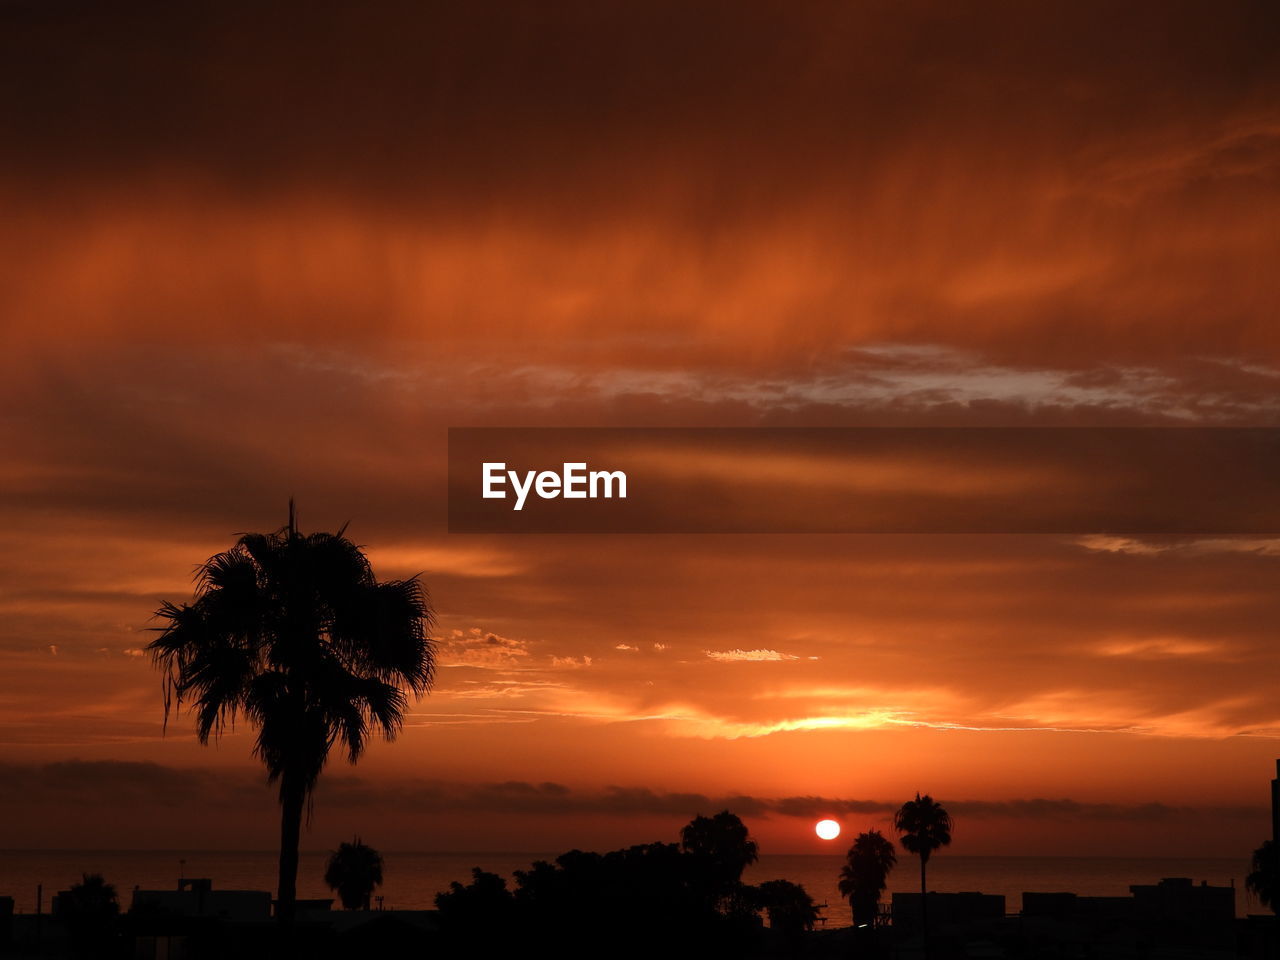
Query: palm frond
x,y
295,633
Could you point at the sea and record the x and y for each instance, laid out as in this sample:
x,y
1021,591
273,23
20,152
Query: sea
x,y
412,880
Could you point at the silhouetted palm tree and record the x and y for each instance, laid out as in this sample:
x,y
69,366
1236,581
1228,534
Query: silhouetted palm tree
x,y
1264,879
89,909
92,896
294,632
923,826
354,870
865,874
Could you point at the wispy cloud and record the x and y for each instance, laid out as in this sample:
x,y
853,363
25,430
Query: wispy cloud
x,y
748,656
480,648
1200,546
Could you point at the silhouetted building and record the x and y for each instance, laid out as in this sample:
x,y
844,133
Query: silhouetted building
x,y
1069,925
960,914
1177,911
1174,913
197,898
1069,907
1256,937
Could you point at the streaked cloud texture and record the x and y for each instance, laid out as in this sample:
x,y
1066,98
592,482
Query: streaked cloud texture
x,y
248,257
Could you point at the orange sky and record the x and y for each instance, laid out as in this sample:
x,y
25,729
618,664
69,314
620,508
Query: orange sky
x,y
246,259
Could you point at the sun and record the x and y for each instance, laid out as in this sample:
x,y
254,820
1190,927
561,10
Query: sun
x,y
827,829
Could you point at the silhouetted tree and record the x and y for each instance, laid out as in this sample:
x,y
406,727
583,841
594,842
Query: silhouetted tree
x,y
721,848
484,897
1264,877
639,900
791,910
480,917
89,909
686,899
923,826
354,870
295,632
865,874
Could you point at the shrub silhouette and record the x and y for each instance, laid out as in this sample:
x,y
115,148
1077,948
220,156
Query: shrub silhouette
x,y
790,908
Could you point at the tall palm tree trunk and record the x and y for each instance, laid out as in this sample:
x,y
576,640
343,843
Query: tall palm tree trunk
x,y
293,794
924,905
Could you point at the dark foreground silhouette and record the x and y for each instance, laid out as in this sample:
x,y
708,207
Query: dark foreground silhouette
x,y
659,897
657,900
672,899
294,632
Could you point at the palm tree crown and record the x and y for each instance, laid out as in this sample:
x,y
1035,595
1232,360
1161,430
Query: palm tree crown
x,y
294,632
923,826
91,899
354,870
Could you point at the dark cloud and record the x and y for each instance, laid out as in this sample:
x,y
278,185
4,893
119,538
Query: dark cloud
x,y
442,94
80,783
1074,810
729,184
85,783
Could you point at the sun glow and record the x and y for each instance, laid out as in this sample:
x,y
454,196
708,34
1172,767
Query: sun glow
x,y
827,829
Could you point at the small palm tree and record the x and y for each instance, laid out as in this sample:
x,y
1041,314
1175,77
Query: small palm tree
x,y
354,870
91,897
89,909
1263,880
294,632
923,826
865,874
